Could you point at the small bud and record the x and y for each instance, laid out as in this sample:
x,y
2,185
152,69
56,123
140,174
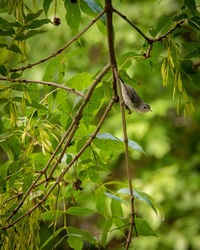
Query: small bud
x,y
56,21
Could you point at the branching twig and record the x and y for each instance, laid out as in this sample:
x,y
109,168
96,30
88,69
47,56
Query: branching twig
x,y
61,49
71,129
44,83
148,39
59,179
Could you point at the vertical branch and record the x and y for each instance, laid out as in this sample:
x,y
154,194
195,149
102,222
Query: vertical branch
x,y
132,216
109,11
111,48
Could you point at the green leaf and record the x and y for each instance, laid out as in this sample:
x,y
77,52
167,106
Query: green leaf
x,y
187,66
27,182
194,22
143,228
32,16
100,201
114,197
191,5
93,105
116,208
3,70
37,23
80,211
135,146
80,81
50,215
75,241
91,8
51,68
52,237
140,196
86,155
84,234
46,5
29,34
106,227
73,16
163,24
15,49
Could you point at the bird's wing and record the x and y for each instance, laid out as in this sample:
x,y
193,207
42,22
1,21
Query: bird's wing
x,y
135,98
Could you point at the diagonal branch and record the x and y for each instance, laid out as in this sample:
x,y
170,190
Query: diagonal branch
x,y
44,83
78,117
61,49
72,129
59,179
148,39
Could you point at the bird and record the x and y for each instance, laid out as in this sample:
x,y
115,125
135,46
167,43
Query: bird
x,y
132,100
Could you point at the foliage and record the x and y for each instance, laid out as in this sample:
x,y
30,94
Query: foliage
x,y
88,188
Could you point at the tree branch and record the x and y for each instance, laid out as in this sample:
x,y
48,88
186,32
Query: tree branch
x,y
72,129
59,179
111,49
61,49
78,117
109,10
44,83
148,39
132,216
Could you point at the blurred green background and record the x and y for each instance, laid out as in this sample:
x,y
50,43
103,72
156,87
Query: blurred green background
x,y
169,171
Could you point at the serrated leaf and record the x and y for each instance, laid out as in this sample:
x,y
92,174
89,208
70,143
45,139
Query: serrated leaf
x,y
143,228
79,211
46,5
73,16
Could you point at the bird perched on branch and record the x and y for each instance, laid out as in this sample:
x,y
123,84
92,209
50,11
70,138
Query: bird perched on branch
x,y
132,100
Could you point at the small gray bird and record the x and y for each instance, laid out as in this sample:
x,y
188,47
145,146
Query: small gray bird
x,y
132,100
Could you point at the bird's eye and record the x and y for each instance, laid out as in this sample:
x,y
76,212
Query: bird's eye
x,y
145,107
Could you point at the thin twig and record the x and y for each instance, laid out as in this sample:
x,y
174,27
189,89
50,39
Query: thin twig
x,y
129,175
44,83
59,179
71,129
148,39
61,49
178,25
